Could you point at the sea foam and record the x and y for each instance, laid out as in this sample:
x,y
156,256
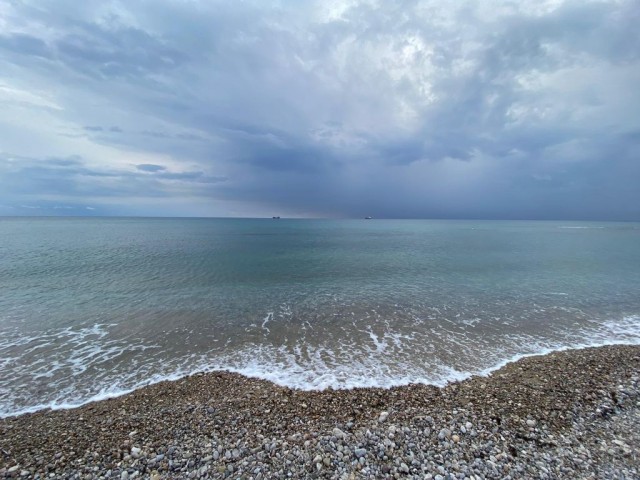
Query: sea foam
x,y
322,368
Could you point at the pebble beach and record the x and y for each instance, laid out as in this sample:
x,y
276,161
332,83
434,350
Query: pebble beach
x,y
569,414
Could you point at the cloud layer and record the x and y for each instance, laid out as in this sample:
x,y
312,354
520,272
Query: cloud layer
x,y
343,108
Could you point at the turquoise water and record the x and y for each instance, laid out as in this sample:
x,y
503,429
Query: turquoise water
x,y
91,308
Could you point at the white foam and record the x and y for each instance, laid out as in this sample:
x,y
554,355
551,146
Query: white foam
x,y
370,371
582,227
104,394
70,353
385,361
471,322
266,320
380,345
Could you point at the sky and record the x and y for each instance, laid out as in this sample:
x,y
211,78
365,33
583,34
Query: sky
x,y
337,108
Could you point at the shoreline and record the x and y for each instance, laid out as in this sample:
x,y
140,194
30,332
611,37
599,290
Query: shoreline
x,y
544,416
459,377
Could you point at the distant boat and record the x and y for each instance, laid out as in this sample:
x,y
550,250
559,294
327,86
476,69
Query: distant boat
x,y
276,218
368,218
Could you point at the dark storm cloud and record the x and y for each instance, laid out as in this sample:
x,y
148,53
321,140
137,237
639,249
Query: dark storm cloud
x,y
417,109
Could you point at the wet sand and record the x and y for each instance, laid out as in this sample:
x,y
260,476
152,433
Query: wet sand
x,y
573,414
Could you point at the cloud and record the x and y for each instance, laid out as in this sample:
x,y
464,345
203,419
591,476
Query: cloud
x,y
149,167
54,184
416,109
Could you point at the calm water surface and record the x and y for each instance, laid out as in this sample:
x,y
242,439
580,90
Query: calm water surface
x,y
94,307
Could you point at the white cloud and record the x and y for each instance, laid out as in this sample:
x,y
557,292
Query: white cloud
x,y
10,95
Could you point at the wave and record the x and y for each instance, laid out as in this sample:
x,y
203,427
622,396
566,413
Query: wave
x,y
368,375
323,370
582,227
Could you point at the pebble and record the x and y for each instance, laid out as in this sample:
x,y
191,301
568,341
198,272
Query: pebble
x,y
339,433
475,429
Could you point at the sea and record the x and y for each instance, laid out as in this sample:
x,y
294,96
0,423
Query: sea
x,y
92,308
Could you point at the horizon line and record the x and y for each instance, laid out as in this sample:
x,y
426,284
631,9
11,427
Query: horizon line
x,y
320,218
